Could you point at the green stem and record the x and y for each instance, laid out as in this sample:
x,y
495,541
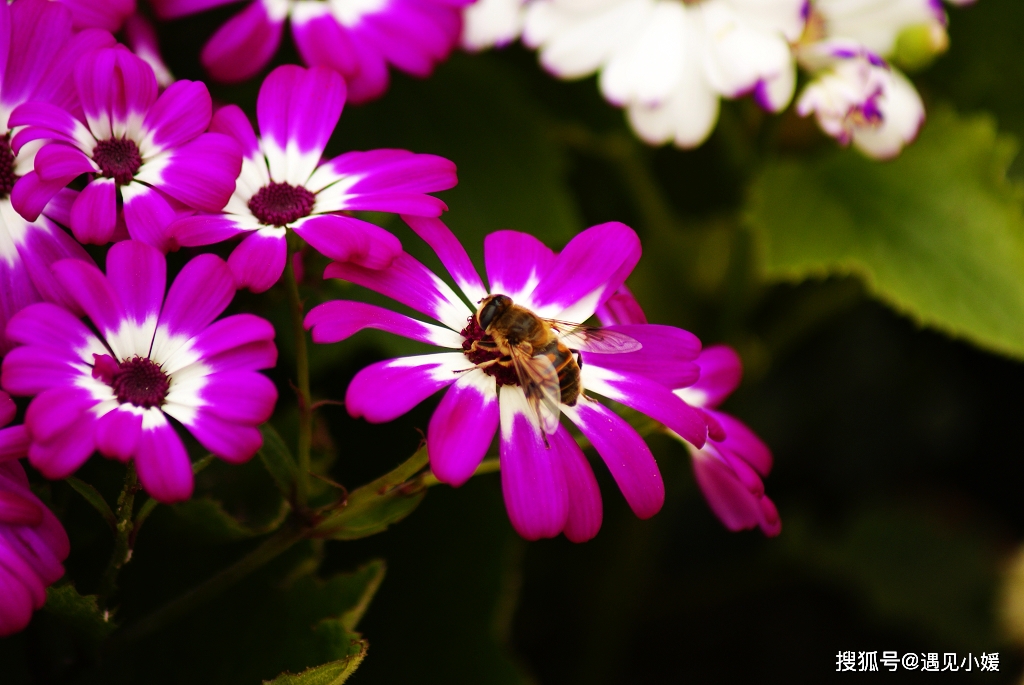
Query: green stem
x,y
271,548
486,466
302,373
122,533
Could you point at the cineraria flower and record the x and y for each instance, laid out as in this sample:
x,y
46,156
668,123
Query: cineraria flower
x,y
492,23
668,62
33,544
859,98
729,466
148,156
358,38
108,15
284,184
547,482
39,49
153,358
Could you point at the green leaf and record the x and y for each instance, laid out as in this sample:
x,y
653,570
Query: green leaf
x,y
333,673
278,460
82,614
93,497
373,507
208,521
937,234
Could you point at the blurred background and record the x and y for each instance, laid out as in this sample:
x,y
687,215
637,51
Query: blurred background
x,y
898,467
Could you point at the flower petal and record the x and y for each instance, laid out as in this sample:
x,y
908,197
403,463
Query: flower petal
x,y
162,462
232,121
14,442
138,274
515,263
386,390
667,355
340,319
532,478
625,453
585,510
148,215
743,442
69,449
118,431
462,427
200,173
258,261
116,88
93,293
243,46
233,442
94,213
720,373
200,292
180,114
451,253
731,501
347,239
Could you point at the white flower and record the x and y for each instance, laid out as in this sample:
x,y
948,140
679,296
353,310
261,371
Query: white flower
x,y
859,98
491,23
878,24
668,62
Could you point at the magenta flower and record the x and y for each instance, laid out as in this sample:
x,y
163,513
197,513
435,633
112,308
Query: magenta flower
x,y
148,157
38,50
730,465
154,359
549,488
108,15
33,544
358,38
285,185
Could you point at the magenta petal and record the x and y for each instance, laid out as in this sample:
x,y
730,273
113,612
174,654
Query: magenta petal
x,y
585,510
300,107
114,85
667,355
54,411
58,162
46,244
625,453
25,60
94,214
180,114
163,465
14,442
31,370
720,373
340,319
258,261
7,407
233,332
515,262
17,602
202,172
138,274
5,36
232,442
108,15
68,450
371,79
386,390
322,41
32,194
92,291
243,46
201,291
19,511
451,253
532,478
621,308
49,326
589,270
117,433
148,216
245,397
731,501
172,9
462,427
45,121
203,229
743,442
232,121
346,239
57,86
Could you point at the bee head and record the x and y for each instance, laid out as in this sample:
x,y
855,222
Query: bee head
x,y
491,307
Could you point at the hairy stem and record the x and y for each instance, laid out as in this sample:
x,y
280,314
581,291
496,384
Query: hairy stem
x,y
122,533
302,383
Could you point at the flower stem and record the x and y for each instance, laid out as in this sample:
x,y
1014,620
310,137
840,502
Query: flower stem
x,y
122,533
486,466
302,381
272,547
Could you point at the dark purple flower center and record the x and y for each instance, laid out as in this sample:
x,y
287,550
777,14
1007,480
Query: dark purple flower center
x,y
480,347
118,159
279,204
7,177
137,380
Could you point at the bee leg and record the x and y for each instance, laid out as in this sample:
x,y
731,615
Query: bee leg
x,y
483,365
579,359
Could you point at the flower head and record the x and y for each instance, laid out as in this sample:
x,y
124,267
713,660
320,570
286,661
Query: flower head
x,y
148,155
358,38
668,62
548,484
38,50
33,544
858,98
730,465
284,184
154,358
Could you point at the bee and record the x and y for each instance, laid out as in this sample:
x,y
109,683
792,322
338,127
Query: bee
x,y
541,352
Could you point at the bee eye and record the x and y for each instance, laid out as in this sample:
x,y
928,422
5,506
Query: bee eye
x,y
493,306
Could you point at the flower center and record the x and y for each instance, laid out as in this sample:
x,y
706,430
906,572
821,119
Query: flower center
x,y
137,380
480,347
118,159
279,204
7,177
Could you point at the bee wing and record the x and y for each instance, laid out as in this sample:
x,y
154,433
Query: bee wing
x,y
539,380
592,339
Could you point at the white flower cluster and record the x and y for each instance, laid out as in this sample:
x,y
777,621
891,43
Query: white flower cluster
x,y
668,62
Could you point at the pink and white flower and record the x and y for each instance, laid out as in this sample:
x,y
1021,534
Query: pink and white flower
x,y
358,38
33,544
548,484
730,465
669,62
148,155
285,184
38,50
154,358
